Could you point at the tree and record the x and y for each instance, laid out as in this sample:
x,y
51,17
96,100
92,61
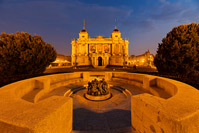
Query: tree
x,y
179,51
22,53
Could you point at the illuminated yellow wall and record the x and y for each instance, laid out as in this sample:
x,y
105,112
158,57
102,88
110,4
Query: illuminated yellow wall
x,y
99,51
145,59
61,60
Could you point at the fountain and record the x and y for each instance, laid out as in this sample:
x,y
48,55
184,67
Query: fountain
x,y
97,90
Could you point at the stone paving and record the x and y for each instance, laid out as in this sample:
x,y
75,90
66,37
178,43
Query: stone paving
x,y
101,116
109,116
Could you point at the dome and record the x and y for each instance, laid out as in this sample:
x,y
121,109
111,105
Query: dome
x,y
116,30
99,36
83,30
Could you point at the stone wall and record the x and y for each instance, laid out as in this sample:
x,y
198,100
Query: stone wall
x,y
21,113
178,113
22,109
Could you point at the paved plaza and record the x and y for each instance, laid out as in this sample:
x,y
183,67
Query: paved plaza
x,y
137,103
112,115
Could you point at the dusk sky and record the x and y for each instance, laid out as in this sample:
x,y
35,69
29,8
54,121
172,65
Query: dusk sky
x,y
143,22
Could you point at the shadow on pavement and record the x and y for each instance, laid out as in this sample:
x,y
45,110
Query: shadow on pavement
x,y
86,120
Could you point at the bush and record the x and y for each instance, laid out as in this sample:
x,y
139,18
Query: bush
x,y
22,53
179,51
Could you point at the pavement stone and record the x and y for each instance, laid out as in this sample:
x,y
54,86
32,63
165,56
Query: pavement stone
x,y
111,116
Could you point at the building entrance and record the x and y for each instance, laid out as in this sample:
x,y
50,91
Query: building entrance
x,y
99,61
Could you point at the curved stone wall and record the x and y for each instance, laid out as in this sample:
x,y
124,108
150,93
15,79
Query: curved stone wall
x,y
170,106
21,110
178,112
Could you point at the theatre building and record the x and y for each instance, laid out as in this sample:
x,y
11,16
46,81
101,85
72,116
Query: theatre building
x,y
99,51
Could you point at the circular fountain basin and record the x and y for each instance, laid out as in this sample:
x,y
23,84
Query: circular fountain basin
x,y
97,98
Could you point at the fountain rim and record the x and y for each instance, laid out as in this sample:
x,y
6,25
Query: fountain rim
x,y
98,98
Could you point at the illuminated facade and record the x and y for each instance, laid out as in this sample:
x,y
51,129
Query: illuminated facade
x,y
145,59
99,51
61,60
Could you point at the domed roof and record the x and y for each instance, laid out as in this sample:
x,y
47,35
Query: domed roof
x,y
116,30
83,30
99,36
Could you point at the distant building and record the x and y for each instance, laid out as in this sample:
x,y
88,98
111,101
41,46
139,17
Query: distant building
x,y
145,59
99,51
62,60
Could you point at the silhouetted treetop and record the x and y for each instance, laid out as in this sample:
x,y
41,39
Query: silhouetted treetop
x,y
22,53
179,51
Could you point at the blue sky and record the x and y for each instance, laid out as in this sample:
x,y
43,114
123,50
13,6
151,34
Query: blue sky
x,y
143,22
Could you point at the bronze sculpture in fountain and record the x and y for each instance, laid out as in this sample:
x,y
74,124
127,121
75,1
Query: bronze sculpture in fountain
x,y
97,90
